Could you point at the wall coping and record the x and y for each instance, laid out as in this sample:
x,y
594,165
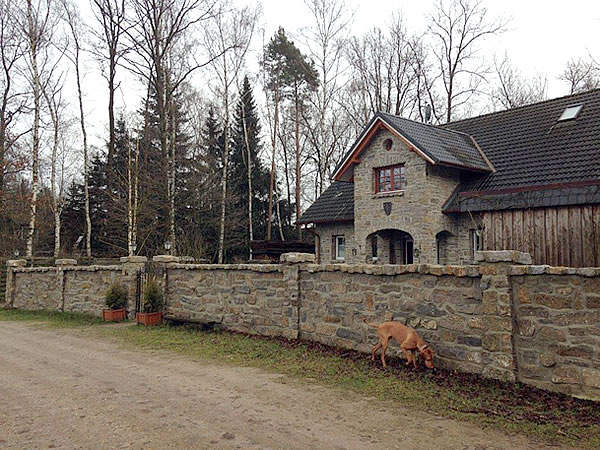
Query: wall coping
x,y
297,257
165,259
133,259
251,267
65,262
553,270
498,256
16,263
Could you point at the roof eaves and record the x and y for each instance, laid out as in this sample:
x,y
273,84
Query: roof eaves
x,y
409,141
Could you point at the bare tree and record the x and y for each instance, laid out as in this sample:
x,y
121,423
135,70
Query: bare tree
x,y
159,36
513,89
227,39
52,93
75,26
457,27
12,101
110,16
581,75
37,24
326,39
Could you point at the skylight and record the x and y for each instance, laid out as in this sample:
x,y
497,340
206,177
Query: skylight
x,y
570,113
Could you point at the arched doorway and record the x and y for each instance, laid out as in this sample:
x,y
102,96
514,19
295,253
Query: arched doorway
x,y
442,241
390,247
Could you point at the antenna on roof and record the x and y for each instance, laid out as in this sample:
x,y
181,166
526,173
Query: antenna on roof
x,y
427,113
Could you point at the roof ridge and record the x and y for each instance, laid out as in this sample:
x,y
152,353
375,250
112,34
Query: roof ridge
x,y
530,105
437,127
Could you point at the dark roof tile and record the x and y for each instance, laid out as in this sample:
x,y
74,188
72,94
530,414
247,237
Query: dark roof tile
x,y
336,204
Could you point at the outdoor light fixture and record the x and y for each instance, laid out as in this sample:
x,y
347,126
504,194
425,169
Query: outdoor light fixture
x,y
167,245
17,253
134,247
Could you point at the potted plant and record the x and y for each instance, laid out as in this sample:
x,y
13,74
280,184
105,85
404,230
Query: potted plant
x,y
151,304
116,302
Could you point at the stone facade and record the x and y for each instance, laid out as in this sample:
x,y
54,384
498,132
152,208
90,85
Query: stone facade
x,y
416,210
502,318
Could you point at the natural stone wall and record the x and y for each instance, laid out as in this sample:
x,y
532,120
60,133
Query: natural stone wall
x,y
558,330
503,318
36,288
326,249
85,288
248,298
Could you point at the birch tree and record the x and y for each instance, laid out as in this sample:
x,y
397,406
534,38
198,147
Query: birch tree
x,y
227,39
37,24
12,98
581,75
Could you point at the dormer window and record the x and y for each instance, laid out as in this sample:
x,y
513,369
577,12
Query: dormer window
x,y
391,178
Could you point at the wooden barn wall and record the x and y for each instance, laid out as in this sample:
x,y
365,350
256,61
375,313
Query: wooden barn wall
x,y
561,236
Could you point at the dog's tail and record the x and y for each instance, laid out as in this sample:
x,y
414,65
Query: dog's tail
x,y
370,324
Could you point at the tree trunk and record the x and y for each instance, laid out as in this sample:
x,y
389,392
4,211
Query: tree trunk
x,y
298,169
249,173
36,125
172,174
224,174
272,178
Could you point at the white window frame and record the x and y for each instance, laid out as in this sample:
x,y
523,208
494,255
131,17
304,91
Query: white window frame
x,y
336,247
476,242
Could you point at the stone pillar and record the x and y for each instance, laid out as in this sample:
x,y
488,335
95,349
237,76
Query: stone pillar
x,y
132,267
498,310
10,279
291,277
61,266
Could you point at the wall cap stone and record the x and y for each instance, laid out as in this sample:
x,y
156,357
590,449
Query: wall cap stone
x,y
65,262
16,263
297,257
133,259
251,267
165,259
498,256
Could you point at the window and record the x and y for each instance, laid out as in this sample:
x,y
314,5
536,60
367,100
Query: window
x,y
476,243
570,113
388,179
339,248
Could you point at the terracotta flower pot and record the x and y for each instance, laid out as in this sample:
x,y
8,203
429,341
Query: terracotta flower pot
x,y
114,315
153,318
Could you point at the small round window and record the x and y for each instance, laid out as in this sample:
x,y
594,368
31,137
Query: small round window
x,y
387,144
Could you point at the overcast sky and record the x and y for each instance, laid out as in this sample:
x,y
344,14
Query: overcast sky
x,y
541,37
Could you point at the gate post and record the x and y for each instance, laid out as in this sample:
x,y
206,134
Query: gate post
x,y
10,279
132,270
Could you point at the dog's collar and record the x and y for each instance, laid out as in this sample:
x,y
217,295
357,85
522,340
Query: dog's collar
x,y
422,349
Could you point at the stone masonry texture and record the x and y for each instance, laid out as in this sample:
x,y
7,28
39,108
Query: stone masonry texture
x,y
503,318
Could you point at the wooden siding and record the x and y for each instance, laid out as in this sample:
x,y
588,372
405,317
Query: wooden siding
x,y
562,236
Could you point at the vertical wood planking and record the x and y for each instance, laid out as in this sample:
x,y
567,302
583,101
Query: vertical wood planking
x,y
539,233
552,236
518,229
488,231
575,244
498,238
588,239
507,230
563,237
527,232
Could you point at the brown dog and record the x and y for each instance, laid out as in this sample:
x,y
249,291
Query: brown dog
x,y
408,339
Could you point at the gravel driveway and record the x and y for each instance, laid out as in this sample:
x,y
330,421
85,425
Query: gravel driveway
x,y
61,389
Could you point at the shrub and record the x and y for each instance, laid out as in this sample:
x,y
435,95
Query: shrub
x,y
153,297
116,296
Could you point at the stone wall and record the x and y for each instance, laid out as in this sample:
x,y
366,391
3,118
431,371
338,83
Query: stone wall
x,y
558,328
248,298
503,318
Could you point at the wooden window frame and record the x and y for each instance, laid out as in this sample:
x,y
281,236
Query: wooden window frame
x,y
391,168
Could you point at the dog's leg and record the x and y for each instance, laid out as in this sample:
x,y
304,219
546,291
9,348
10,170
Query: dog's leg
x,y
377,347
407,355
384,345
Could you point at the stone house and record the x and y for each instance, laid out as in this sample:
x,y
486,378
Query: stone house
x,y
524,179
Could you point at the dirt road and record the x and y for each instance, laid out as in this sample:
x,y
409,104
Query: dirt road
x,y
59,389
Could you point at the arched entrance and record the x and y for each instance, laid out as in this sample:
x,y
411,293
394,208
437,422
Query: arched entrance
x,y
390,247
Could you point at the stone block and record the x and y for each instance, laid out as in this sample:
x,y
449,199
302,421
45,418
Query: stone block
x,y
576,351
526,327
566,375
471,341
16,263
499,256
165,259
591,377
592,301
133,259
500,324
551,334
547,359
553,301
346,333
478,323
498,374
